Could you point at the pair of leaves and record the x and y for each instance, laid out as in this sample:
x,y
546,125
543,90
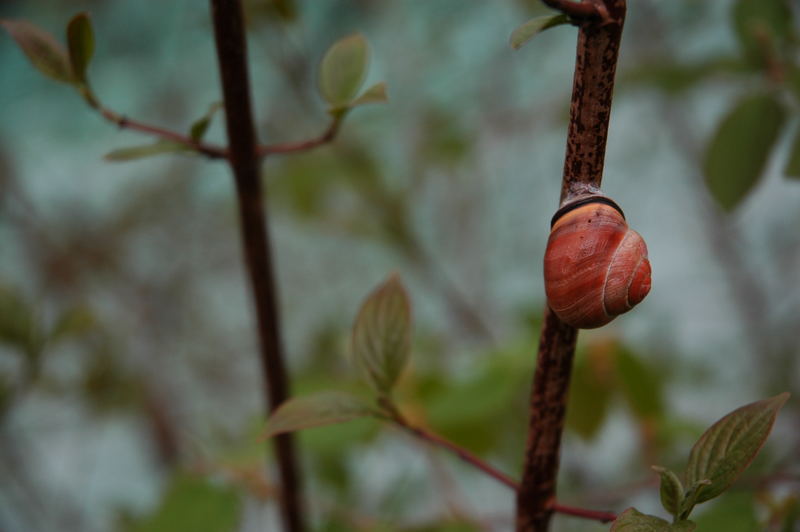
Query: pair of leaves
x,y
721,454
49,56
381,344
70,66
342,74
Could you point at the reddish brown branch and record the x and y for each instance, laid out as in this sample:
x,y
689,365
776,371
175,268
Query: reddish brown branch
x,y
209,150
245,163
460,452
594,515
590,110
293,147
496,474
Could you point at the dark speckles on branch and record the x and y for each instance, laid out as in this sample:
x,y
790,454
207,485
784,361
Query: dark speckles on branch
x,y
598,47
591,103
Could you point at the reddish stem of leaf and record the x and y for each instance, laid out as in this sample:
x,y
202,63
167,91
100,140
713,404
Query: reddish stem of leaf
x,y
590,110
594,515
293,147
209,150
471,459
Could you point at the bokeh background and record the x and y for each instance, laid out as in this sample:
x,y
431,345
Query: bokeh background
x,y
130,396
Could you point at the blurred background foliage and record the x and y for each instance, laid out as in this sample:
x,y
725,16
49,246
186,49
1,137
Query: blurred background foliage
x,y
129,389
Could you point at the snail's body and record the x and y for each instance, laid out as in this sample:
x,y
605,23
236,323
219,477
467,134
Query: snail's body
x,y
595,267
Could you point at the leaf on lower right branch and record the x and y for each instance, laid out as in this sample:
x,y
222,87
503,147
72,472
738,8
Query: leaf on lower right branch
x,y
323,408
632,520
381,338
730,444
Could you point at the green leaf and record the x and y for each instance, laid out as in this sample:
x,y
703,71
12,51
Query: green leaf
x,y
671,490
147,150
343,70
43,51
382,335
631,520
533,27
200,126
323,408
80,41
730,444
793,164
374,94
740,148
192,503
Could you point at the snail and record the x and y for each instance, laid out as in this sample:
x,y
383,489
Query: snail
x,y
595,267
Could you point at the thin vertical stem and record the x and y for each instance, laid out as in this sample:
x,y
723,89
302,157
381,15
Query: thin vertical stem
x,y
244,160
598,46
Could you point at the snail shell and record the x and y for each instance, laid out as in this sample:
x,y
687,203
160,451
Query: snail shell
x,y
595,267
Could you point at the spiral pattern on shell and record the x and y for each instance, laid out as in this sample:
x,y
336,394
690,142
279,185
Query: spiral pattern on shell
x,y
595,267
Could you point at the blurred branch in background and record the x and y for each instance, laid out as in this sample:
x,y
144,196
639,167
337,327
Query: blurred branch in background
x,y
231,46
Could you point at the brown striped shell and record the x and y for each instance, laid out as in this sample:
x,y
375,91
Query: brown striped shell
x,y
595,267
